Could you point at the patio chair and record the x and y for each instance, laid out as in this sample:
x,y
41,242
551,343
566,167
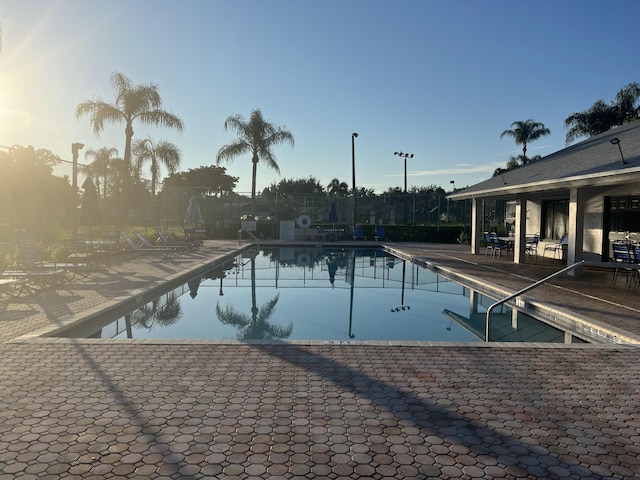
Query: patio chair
x,y
622,253
531,245
78,252
498,245
489,242
559,249
379,235
635,258
358,234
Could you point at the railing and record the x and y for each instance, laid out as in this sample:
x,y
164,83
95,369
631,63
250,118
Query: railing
x,y
524,290
582,263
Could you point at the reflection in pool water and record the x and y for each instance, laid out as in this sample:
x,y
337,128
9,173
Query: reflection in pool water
x,y
338,294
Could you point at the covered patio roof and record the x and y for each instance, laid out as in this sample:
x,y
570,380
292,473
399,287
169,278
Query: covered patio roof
x,y
592,162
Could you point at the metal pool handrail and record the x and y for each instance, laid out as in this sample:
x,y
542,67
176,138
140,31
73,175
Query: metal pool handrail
x,y
524,290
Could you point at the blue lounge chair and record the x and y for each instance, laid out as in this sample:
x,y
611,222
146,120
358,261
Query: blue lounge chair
x,y
379,235
357,234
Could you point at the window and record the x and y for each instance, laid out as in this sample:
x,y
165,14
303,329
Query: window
x,y
624,214
555,219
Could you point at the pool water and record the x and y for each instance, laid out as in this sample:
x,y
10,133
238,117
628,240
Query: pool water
x,y
325,294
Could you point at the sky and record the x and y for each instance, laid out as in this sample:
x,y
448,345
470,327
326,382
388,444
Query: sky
x,y
438,79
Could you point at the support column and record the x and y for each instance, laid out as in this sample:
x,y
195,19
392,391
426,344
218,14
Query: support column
x,y
576,227
476,226
519,247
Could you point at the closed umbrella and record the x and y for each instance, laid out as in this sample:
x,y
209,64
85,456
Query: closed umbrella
x,y
333,214
193,287
90,210
193,215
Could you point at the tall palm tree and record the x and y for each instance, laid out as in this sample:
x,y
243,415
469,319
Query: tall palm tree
x,y
140,103
525,132
258,137
158,154
100,166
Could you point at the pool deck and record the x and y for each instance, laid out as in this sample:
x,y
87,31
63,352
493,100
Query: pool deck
x,y
89,408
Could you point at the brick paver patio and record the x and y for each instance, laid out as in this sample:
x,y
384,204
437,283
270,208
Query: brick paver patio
x,y
84,408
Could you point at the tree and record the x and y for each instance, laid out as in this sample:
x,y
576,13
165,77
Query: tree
x,y
625,103
211,180
140,103
31,197
525,132
157,154
258,137
101,166
515,162
601,117
297,186
336,187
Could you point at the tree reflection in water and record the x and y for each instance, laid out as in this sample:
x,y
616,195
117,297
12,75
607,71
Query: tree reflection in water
x,y
255,326
163,316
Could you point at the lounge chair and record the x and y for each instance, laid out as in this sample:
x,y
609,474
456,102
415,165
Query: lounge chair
x,y
379,235
358,234
146,246
40,272
165,238
10,286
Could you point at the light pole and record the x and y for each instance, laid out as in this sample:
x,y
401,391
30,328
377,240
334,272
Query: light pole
x,y
405,156
75,147
354,135
453,183
616,141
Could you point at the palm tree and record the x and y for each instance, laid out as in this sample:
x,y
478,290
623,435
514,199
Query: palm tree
x,y
601,117
597,119
336,187
625,103
257,137
525,132
160,153
100,166
133,102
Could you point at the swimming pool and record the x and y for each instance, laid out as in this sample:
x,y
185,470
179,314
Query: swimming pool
x,y
333,295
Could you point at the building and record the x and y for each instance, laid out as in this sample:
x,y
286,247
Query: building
x,y
589,191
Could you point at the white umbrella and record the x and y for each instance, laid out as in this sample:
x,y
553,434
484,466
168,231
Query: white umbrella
x,y
193,215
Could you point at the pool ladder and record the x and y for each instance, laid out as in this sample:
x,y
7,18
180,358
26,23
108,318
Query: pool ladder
x,y
524,290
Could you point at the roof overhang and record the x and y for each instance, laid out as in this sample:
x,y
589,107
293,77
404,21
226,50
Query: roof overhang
x,y
600,179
